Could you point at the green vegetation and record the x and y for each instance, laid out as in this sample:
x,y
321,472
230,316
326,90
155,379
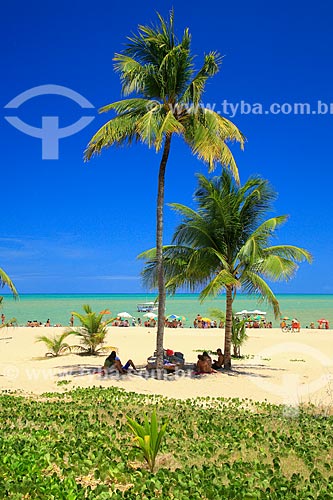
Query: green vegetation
x,y
9,322
159,70
78,446
92,331
6,281
238,335
217,314
148,437
63,382
224,246
55,344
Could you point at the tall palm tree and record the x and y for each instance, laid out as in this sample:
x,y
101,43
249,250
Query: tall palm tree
x,y
158,69
223,246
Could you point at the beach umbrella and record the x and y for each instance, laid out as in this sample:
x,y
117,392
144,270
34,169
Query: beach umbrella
x,y
150,315
243,312
172,316
208,320
124,315
256,311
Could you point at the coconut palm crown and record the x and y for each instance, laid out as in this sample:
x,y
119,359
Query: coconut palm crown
x,y
224,245
158,70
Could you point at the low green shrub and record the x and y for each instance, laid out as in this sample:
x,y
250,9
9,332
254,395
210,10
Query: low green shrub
x,y
76,446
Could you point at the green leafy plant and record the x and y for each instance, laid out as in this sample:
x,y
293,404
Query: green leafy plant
x,y
10,322
63,382
55,344
92,331
148,437
238,335
269,451
217,314
6,281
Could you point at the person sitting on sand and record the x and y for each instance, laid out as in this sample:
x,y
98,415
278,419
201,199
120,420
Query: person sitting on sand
x,y
207,358
203,365
219,362
113,362
48,323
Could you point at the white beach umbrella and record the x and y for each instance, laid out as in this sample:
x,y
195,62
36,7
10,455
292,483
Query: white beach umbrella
x,y
150,315
243,312
124,315
256,311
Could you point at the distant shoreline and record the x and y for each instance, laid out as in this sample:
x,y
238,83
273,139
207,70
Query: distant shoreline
x,y
58,307
150,294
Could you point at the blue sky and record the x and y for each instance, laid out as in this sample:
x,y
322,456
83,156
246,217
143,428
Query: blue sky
x,y
67,226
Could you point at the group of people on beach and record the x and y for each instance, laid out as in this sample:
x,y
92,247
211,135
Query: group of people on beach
x,y
36,323
200,322
205,364
259,324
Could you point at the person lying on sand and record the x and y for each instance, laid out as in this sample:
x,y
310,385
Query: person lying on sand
x,y
113,362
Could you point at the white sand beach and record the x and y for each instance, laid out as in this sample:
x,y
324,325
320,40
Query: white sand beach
x,y
286,368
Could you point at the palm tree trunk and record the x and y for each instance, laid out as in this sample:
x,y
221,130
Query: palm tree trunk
x,y
228,328
159,254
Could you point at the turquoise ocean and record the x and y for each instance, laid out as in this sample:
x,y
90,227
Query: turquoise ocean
x,y
58,307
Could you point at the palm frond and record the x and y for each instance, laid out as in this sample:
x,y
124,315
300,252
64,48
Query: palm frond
x,y
206,133
290,252
6,281
281,262
168,126
267,228
55,344
193,92
136,106
117,131
223,279
136,77
276,268
252,283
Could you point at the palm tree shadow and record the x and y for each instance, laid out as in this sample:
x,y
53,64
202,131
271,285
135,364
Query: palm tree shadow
x,y
77,370
238,370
